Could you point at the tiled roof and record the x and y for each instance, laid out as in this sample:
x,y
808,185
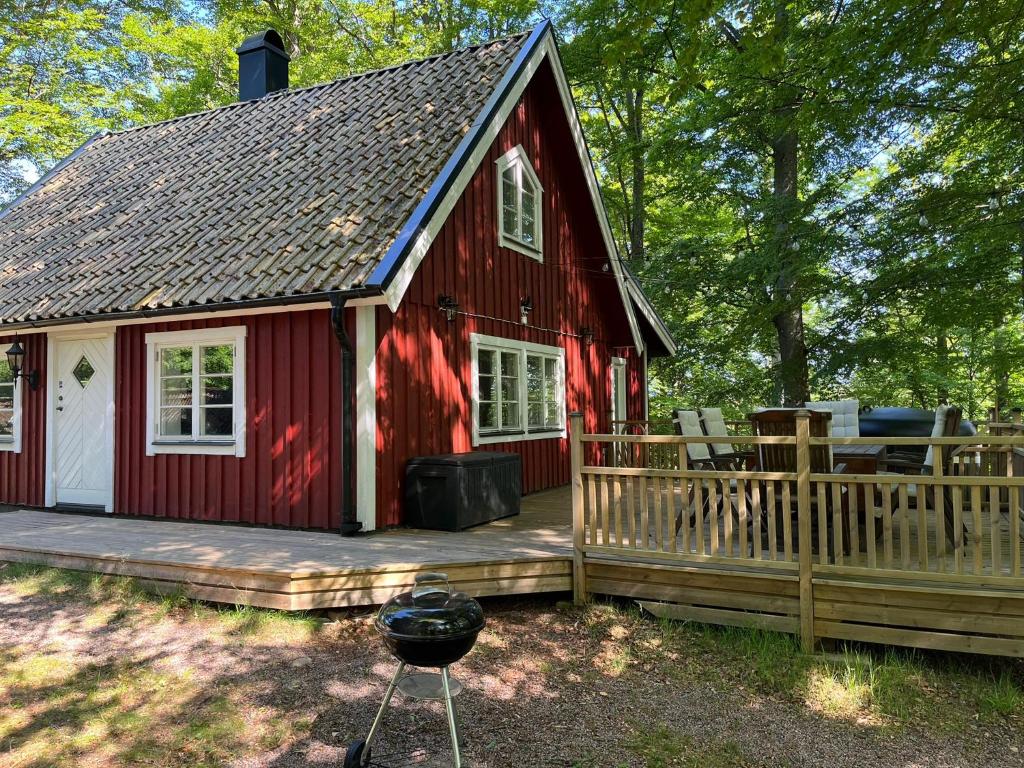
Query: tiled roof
x,y
298,193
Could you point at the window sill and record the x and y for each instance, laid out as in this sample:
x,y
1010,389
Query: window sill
x,y
505,241
9,445
196,447
489,438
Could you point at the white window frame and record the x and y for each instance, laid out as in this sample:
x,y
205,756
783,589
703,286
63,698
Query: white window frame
x,y
216,446
479,342
517,158
12,443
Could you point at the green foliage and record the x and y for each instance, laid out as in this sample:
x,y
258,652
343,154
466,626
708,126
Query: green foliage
x,y
896,111
897,261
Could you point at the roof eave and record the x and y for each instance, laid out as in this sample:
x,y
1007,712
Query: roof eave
x,y
190,309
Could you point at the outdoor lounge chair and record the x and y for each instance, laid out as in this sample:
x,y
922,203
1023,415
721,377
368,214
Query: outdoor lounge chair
x,y
713,423
699,457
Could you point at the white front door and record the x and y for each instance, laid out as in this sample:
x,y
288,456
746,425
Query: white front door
x,y
83,421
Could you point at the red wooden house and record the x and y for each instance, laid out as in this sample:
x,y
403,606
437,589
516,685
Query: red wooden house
x,y
259,313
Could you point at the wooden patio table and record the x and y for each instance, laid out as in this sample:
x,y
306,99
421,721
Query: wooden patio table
x,y
859,459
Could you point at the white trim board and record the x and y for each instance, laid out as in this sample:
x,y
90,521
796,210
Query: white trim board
x,y
523,348
366,417
93,327
547,49
517,158
235,335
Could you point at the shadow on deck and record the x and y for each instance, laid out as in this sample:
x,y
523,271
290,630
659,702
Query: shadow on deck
x,y
296,570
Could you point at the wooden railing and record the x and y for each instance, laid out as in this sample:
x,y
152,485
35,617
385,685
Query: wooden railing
x,y
636,497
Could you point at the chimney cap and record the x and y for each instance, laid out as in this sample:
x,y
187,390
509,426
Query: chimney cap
x,y
267,39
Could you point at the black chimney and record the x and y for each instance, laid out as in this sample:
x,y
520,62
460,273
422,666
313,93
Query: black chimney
x,y
262,65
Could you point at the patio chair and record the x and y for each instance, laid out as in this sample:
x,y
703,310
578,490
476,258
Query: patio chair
x,y
845,415
713,423
699,457
781,422
947,424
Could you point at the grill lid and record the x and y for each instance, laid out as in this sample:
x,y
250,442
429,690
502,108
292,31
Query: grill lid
x,y
431,611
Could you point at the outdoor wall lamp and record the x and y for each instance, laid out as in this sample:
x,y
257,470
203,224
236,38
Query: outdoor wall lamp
x,y
449,306
525,308
587,335
16,361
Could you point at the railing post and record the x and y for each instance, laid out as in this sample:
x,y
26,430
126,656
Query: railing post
x,y
579,575
803,512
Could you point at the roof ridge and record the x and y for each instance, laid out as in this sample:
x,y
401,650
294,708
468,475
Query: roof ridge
x,y
286,92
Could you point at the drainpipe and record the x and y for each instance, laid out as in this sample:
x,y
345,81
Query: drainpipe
x,y
349,524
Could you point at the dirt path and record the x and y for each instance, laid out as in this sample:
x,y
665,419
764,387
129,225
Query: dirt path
x,y
547,685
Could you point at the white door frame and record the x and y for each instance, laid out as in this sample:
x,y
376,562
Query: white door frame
x,y
617,367
50,496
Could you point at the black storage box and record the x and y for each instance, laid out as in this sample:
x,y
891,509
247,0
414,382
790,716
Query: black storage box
x,y
459,490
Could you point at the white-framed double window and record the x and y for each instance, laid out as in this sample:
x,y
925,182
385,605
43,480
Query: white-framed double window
x,y
195,383
519,204
10,410
518,390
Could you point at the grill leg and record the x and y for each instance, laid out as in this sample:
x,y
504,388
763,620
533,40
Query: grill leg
x,y
383,706
449,706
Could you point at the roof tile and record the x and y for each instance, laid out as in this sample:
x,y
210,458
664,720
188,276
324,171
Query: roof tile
x,y
300,192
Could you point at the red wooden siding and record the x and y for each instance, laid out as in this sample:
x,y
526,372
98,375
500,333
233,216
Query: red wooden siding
x,y
291,473
424,388
22,475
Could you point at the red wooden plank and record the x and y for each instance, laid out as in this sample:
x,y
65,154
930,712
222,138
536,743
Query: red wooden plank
x,y
423,361
290,474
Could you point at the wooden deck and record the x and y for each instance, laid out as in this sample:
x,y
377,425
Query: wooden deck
x,y
296,570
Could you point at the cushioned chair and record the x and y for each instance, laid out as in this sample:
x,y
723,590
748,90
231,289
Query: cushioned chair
x,y
845,415
699,457
713,423
947,424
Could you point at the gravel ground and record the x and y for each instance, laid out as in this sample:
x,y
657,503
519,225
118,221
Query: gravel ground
x,y
547,685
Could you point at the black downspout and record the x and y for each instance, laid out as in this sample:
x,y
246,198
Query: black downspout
x,y
349,524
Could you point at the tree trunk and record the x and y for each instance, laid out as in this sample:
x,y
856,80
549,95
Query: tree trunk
x,y
637,224
942,346
789,320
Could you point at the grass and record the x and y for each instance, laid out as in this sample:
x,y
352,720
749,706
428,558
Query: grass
x,y
663,747
144,704
886,687
118,598
138,710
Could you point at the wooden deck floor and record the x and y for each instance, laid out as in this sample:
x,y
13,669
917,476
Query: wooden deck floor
x,y
299,570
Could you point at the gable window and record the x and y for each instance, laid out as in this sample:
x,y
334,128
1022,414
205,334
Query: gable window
x,y
518,390
10,410
196,391
519,204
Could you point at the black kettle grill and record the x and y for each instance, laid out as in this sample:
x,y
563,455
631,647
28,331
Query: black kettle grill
x,y
428,627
